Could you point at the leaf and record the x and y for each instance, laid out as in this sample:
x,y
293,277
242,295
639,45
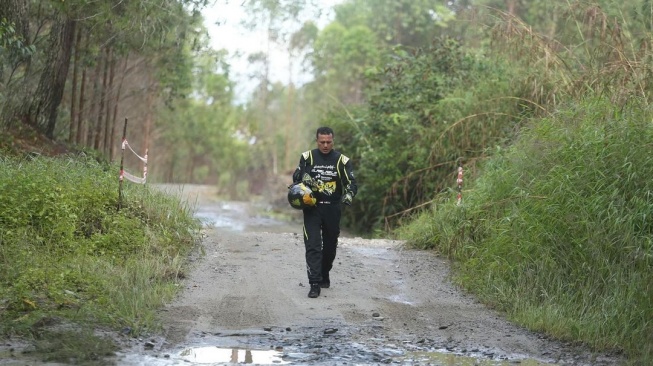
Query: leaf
x,y
30,303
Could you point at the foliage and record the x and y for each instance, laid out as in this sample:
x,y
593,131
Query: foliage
x,y
442,100
210,147
11,43
66,250
588,50
275,109
557,230
99,38
362,34
409,23
208,131
341,55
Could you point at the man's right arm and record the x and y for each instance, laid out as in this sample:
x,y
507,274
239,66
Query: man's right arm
x,y
297,175
302,173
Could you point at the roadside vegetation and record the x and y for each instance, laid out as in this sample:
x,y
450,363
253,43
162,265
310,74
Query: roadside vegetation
x,y
555,225
556,231
545,105
72,263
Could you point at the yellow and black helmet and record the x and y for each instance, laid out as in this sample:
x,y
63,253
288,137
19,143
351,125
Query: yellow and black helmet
x,y
300,196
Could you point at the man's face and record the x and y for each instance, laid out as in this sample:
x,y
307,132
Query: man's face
x,y
325,143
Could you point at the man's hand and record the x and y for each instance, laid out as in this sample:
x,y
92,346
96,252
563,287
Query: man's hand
x,y
309,181
309,200
346,199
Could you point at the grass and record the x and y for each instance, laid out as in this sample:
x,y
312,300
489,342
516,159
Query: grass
x,y
557,229
67,253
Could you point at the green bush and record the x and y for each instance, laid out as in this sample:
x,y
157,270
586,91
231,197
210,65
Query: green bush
x,y
557,229
66,249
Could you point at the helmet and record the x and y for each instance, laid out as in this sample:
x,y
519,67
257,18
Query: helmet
x,y
300,196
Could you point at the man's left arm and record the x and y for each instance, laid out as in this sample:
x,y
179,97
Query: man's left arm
x,y
349,183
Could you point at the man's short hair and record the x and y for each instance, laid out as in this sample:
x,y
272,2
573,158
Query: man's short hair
x,y
324,131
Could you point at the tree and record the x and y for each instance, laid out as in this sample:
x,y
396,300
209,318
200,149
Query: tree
x,y
158,31
15,52
341,59
282,24
363,31
47,98
409,23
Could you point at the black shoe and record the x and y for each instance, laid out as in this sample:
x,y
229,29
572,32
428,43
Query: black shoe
x,y
325,283
315,290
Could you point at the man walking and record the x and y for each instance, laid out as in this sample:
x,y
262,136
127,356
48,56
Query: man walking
x,y
330,176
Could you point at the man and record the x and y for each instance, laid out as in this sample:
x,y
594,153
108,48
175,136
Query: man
x,y
330,176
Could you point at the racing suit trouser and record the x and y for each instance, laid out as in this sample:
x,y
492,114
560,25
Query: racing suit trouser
x,y
321,231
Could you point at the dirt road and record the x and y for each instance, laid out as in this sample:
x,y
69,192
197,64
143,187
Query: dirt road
x,y
245,301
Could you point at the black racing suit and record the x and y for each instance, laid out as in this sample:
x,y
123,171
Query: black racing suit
x,y
333,177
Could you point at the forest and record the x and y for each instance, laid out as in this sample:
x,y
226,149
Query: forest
x,y
544,105
456,79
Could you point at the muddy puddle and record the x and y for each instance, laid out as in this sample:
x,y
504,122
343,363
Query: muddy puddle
x,y
238,216
344,345
328,353
226,356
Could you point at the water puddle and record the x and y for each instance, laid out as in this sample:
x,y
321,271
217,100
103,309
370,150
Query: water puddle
x,y
241,217
223,215
218,220
211,355
401,299
205,355
342,353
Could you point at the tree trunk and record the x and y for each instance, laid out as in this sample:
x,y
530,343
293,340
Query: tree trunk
x,y
81,126
72,137
95,101
43,110
116,102
149,116
103,95
81,138
97,110
170,174
191,166
287,162
16,11
108,127
511,6
269,123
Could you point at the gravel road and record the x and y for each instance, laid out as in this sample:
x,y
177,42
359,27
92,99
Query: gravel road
x,y
245,301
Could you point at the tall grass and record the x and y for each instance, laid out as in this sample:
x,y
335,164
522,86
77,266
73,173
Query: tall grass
x,y
557,228
557,231
66,251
